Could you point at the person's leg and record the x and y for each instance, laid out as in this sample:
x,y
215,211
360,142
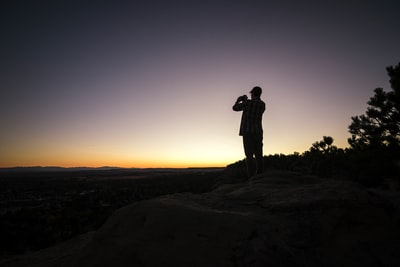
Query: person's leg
x,y
248,143
258,152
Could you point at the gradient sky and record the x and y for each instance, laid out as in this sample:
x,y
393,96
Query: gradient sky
x,y
152,83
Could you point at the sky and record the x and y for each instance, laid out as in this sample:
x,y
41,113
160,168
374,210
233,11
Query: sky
x,y
152,83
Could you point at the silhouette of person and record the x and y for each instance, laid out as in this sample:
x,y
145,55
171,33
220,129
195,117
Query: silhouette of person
x,y
251,129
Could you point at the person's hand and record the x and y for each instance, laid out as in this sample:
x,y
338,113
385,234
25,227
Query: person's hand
x,y
242,98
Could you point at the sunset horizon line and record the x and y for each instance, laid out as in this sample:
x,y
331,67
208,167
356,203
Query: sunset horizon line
x,y
104,167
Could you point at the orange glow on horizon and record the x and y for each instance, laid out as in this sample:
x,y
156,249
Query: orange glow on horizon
x,y
119,164
219,153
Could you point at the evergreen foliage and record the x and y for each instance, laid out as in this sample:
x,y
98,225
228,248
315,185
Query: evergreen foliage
x,y
379,127
375,135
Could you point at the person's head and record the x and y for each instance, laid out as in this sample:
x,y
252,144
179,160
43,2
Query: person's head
x,y
256,91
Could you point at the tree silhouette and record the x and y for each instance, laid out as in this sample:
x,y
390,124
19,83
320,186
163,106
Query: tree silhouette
x,y
323,158
379,127
324,146
375,135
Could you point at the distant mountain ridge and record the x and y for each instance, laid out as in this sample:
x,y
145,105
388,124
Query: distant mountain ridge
x,y
54,169
34,169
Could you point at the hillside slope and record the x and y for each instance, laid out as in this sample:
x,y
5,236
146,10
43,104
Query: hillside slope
x,y
275,219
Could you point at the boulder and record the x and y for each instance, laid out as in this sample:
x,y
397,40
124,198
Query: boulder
x,y
275,219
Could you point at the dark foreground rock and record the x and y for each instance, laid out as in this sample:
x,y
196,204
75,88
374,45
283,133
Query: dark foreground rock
x,y
276,219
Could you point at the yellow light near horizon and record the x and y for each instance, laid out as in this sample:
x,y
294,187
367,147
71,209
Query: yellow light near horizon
x,y
172,153
179,158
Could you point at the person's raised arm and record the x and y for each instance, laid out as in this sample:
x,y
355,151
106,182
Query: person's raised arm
x,y
240,103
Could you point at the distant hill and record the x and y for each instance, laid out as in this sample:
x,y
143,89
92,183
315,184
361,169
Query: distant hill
x,y
38,169
53,169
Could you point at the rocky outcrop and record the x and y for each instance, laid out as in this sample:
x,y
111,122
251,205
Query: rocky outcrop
x,y
275,219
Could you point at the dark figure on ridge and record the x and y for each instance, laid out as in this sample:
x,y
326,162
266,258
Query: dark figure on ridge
x,y
251,129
